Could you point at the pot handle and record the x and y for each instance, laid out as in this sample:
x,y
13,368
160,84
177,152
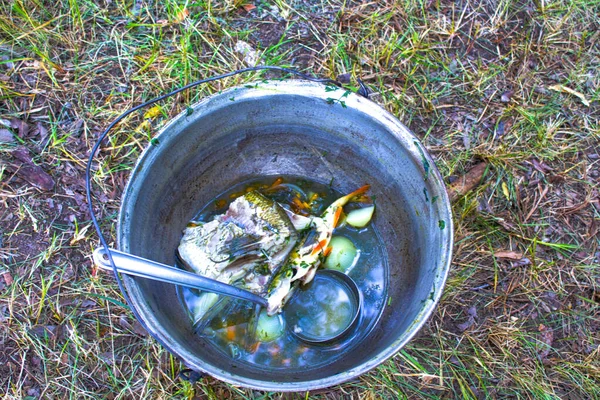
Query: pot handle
x,y
363,91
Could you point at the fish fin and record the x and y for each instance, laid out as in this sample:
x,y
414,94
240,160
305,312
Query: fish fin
x,y
300,222
345,199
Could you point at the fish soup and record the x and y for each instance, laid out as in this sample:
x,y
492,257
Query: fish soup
x,y
243,332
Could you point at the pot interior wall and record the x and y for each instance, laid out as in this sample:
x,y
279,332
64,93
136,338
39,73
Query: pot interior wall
x,y
251,133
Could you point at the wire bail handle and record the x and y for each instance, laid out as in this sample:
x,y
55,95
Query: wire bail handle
x,y
363,91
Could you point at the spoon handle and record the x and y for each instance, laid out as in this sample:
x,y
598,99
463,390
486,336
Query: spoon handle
x,y
138,266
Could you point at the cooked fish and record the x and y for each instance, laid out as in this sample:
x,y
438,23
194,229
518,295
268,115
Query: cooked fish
x,y
249,245
306,257
245,246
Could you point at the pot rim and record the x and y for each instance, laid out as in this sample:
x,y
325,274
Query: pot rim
x,y
412,145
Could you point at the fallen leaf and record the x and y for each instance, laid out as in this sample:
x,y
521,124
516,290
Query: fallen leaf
x,y
521,263
35,176
21,127
428,379
505,191
139,329
108,357
22,154
88,303
472,315
152,112
248,7
547,337
145,126
182,15
6,136
564,89
467,182
467,324
511,255
43,131
500,128
30,172
46,331
472,311
540,166
8,278
75,127
124,323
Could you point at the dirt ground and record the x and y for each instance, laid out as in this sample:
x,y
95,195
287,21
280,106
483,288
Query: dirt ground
x,y
512,86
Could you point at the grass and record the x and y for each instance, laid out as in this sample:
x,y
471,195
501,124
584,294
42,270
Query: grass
x,y
502,81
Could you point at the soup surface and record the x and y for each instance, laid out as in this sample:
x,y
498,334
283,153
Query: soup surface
x,y
233,329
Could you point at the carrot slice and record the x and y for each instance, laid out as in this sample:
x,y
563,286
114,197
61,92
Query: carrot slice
x,y
277,182
320,246
230,332
336,216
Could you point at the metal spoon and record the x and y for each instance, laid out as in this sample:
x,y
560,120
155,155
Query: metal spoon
x,y
138,266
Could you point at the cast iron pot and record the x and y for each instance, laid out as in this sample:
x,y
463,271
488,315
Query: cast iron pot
x,y
292,128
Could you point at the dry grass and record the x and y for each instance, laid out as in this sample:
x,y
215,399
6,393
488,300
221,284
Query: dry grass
x,y
514,83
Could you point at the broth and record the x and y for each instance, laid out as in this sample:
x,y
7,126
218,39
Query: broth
x,y
228,329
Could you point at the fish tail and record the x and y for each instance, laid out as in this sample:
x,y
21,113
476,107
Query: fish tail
x,y
343,200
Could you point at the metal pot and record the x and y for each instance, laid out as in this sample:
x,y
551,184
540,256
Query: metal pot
x,y
295,128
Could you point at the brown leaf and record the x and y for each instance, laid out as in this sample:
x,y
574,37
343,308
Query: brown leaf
x,y
8,278
52,332
88,303
564,89
43,131
21,127
139,329
248,7
124,322
521,263
467,324
182,15
36,176
33,174
547,337
540,166
511,255
22,154
467,182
